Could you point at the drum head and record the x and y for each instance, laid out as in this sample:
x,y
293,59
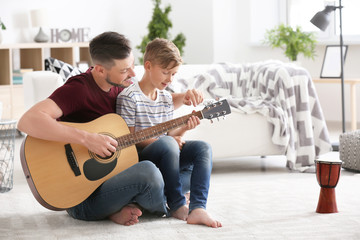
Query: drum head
x,y
328,161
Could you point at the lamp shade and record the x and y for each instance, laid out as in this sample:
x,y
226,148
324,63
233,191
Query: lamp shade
x,y
322,19
39,17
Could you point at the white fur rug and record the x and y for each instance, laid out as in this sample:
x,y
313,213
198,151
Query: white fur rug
x,y
253,198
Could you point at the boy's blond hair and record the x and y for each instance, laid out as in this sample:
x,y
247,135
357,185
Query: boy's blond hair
x,y
162,52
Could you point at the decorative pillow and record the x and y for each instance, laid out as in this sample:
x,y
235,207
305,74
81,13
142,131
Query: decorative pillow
x,y
65,70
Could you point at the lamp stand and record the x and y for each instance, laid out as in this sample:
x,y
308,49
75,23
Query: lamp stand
x,y
41,36
342,69
335,146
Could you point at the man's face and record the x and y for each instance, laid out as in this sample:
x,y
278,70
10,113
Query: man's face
x,y
121,73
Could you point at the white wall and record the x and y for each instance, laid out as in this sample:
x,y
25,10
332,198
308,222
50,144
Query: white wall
x,y
234,42
216,31
193,18
229,31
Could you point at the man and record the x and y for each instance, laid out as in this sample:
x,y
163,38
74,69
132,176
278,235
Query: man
x,y
86,97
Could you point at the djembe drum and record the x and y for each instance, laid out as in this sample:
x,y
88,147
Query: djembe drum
x,y
327,174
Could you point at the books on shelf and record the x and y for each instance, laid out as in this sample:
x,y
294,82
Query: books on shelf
x,y
18,75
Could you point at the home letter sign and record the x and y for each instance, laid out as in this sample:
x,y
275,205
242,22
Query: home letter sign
x,y
73,35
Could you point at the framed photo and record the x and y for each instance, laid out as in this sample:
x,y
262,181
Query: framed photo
x,y
83,66
331,67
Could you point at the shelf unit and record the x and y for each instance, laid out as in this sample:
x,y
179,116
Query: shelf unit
x,y
31,56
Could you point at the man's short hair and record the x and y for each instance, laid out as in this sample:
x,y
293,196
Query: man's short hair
x,y
162,52
107,47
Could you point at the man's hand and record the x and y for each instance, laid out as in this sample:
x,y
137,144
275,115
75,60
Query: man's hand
x,y
193,97
100,144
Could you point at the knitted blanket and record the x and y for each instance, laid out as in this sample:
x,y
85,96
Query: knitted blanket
x,y
283,93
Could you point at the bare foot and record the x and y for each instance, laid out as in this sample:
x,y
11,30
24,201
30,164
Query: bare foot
x,y
127,216
181,213
200,216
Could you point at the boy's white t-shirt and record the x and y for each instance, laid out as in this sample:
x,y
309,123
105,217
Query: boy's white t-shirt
x,y
141,112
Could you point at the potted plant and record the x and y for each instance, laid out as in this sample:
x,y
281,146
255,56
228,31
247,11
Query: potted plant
x,y
293,41
2,27
159,28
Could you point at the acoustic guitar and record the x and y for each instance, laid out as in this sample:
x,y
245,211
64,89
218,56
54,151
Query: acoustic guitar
x,y
62,175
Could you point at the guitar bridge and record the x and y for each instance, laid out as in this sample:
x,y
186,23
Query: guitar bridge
x,y
72,160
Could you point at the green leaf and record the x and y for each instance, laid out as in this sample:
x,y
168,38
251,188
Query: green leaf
x,y
159,27
292,41
2,25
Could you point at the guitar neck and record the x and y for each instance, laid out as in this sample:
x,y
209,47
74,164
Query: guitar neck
x,y
154,131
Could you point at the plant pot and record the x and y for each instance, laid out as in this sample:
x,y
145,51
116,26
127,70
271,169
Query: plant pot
x,y
296,63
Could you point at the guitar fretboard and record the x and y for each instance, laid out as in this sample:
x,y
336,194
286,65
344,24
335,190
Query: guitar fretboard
x,y
150,132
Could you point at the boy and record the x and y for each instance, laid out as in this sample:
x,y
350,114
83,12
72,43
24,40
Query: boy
x,y
147,103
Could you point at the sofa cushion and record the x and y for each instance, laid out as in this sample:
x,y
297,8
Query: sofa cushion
x,y
38,85
65,70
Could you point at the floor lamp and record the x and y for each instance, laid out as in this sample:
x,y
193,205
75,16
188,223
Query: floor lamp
x,y
321,20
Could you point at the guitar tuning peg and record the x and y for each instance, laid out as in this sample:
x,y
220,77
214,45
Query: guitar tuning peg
x,y
208,103
218,119
224,117
211,121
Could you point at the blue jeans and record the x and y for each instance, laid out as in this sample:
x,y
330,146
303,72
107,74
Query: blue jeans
x,y
176,166
142,183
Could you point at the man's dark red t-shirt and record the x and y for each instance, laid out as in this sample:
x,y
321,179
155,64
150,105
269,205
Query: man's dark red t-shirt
x,y
82,100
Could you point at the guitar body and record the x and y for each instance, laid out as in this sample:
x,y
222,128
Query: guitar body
x,y
62,175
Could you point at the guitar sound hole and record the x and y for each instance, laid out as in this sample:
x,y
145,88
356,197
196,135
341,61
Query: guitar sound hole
x,y
104,158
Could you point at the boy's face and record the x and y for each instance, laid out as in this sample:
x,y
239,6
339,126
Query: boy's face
x,y
162,77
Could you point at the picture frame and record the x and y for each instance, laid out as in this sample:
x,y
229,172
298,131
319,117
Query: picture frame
x,y
331,66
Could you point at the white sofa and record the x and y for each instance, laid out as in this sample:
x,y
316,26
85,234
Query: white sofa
x,y
255,132
38,85
275,111
238,135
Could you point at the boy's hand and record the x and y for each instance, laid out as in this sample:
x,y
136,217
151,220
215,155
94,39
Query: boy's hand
x,y
193,97
178,133
193,122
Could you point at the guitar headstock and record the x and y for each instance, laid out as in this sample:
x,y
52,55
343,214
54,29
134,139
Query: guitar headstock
x,y
216,109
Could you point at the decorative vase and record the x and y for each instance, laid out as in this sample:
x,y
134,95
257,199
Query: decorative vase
x,y
41,36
